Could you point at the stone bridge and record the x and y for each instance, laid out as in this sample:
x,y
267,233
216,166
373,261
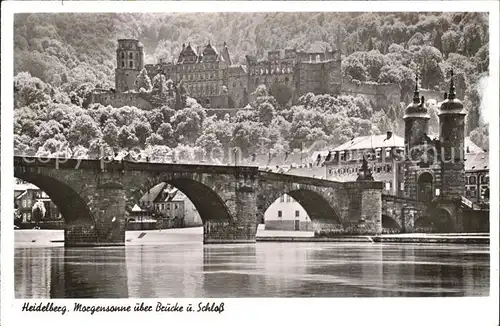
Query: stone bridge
x,y
400,214
95,197
440,215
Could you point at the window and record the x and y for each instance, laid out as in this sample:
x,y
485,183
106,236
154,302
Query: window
x,y
389,168
483,179
472,180
131,64
280,214
473,191
176,206
330,171
297,213
282,199
130,56
123,64
387,186
287,199
24,204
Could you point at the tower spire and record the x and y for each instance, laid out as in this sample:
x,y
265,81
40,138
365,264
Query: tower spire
x,y
416,98
452,94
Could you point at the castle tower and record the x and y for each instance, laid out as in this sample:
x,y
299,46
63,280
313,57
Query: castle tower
x,y
452,138
416,117
129,63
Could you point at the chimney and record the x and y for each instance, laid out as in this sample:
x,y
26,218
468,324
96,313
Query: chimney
x,y
389,135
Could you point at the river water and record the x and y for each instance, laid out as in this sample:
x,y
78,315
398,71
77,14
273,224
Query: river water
x,y
184,267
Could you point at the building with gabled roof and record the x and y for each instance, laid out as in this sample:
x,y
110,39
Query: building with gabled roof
x,y
168,203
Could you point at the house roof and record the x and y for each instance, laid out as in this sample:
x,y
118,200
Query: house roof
x,y
210,50
471,146
136,208
151,195
25,186
477,161
369,142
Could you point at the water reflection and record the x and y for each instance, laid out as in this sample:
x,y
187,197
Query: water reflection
x,y
189,269
70,273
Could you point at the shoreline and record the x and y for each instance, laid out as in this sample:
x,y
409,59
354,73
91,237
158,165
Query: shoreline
x,y
51,238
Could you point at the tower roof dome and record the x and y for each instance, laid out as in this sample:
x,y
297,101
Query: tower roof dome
x,y
451,105
417,108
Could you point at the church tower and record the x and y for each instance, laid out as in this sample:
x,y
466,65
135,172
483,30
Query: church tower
x,y
416,120
452,137
129,63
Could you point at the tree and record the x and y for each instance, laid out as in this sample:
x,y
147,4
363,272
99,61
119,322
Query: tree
x,y
142,130
210,145
261,90
166,132
127,138
188,123
429,58
154,139
281,92
266,113
110,133
143,81
374,61
354,69
38,211
450,41
83,130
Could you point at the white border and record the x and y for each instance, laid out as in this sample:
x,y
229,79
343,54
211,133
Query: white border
x,y
384,311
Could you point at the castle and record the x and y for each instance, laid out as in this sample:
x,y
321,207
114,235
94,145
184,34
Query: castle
x,y
209,76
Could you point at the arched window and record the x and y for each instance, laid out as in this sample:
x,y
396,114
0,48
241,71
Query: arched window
x,y
472,180
425,192
130,55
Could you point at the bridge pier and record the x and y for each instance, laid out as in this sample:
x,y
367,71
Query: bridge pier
x,y
108,227
371,210
242,228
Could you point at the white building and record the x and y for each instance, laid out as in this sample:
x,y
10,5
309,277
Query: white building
x,y
287,214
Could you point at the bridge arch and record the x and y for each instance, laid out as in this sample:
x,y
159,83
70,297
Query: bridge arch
x,y
73,207
425,186
388,222
207,201
436,220
315,205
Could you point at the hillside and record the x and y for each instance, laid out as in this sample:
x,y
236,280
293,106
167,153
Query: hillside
x,y
61,57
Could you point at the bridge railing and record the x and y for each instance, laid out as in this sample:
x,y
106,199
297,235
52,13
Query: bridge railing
x,y
102,163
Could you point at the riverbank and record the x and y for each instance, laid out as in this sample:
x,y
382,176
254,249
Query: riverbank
x,y
29,238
